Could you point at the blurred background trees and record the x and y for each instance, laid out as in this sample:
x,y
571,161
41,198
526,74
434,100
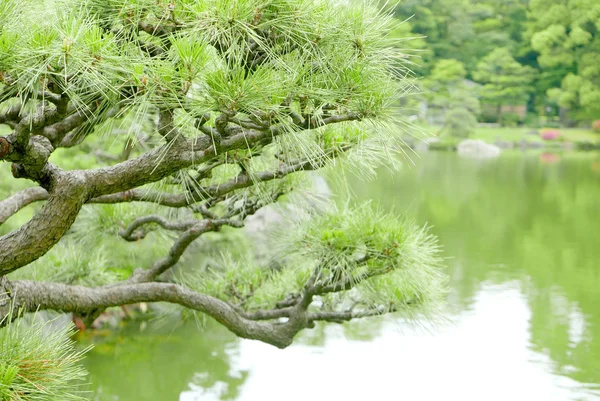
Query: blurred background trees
x,y
534,62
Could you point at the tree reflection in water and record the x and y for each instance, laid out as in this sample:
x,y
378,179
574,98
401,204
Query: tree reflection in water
x,y
517,217
165,361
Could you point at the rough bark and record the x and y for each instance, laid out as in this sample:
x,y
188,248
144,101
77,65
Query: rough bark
x,y
68,193
277,326
18,201
29,296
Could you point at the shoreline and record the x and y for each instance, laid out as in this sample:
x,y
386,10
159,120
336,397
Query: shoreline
x,y
452,145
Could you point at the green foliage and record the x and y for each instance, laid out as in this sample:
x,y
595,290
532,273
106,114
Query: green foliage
x,y
466,30
449,71
394,263
314,59
510,119
342,58
346,59
558,39
504,80
351,242
461,122
447,89
39,363
565,34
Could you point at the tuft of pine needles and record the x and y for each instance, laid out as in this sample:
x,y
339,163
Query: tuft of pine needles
x,y
39,362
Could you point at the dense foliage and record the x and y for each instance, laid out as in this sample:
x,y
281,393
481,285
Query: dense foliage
x,y
549,47
39,363
152,131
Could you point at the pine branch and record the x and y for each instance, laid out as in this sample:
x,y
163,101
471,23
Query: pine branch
x,y
183,242
11,116
32,296
16,202
21,247
346,316
133,232
57,132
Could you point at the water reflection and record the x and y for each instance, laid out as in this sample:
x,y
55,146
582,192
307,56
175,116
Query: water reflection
x,y
522,234
484,355
517,217
164,361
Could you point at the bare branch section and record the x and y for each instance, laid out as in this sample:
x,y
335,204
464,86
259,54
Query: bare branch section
x,y
195,230
70,190
21,247
217,190
18,201
262,325
345,316
57,132
135,232
11,116
31,296
149,167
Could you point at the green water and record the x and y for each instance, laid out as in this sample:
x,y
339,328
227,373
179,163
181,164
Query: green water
x,y
522,236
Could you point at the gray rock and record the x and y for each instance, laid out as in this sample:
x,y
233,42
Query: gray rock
x,y
504,144
422,145
477,149
524,144
314,201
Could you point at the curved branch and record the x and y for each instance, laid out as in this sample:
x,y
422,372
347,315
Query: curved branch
x,y
31,124
268,314
10,117
18,201
179,247
74,188
149,167
213,191
32,296
127,233
35,153
58,131
46,228
345,316
113,184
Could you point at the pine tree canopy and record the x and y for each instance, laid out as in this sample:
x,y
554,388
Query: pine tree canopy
x,y
143,133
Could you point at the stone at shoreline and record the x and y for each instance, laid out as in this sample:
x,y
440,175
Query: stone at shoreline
x,y
477,148
316,200
423,145
504,144
523,144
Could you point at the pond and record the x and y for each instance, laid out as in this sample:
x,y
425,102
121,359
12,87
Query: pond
x,y
521,234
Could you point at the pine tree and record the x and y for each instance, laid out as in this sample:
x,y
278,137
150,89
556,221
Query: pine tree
x,y
196,115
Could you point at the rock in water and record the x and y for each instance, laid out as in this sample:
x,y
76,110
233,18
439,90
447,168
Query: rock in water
x,y
315,200
478,149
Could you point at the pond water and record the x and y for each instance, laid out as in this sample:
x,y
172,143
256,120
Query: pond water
x,y
521,234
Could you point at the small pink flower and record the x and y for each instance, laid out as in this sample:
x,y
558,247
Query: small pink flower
x,y
550,134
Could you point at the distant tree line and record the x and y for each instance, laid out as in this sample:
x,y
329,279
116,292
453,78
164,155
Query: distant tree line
x,y
538,56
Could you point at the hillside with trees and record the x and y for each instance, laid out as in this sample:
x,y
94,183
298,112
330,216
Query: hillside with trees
x,y
534,61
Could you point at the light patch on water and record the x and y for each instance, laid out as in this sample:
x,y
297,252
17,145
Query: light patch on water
x,y
571,314
199,393
484,355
